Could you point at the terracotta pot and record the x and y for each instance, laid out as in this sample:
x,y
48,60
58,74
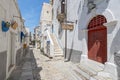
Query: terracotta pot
x,y
24,45
14,25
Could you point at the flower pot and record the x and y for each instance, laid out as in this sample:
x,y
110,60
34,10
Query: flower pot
x,y
14,25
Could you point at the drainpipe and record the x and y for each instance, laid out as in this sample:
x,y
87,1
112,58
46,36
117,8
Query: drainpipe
x,y
66,35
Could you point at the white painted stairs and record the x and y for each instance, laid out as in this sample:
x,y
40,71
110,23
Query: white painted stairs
x,y
88,70
58,52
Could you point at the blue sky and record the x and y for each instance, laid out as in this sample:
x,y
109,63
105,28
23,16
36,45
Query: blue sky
x,y
30,10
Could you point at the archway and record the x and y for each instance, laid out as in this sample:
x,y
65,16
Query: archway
x,y
97,39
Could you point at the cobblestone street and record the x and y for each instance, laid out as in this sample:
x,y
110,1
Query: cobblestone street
x,y
36,66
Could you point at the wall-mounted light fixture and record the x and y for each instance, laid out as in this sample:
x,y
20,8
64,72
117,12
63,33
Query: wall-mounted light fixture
x,y
91,6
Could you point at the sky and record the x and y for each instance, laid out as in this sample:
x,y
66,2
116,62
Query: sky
x,y
31,10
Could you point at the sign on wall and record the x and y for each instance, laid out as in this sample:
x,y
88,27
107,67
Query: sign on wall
x,y
67,26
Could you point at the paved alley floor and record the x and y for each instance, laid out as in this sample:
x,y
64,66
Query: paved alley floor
x,y
36,66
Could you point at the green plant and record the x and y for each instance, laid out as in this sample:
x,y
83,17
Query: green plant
x,y
7,24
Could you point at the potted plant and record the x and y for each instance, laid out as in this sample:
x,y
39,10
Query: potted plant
x,y
7,24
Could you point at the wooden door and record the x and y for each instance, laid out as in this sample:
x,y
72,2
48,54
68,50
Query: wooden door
x,y
97,40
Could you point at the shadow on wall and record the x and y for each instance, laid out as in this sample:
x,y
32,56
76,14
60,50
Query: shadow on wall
x,y
60,31
3,62
115,46
115,49
73,55
117,62
23,71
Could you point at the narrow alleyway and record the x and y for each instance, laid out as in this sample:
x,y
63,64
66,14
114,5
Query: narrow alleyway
x,y
36,66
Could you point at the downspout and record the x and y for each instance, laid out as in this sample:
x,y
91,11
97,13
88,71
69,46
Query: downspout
x,y
66,34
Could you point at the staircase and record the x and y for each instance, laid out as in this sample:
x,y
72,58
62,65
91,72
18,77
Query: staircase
x,y
58,52
88,70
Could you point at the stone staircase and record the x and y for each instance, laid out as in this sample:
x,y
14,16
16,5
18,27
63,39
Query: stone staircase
x,y
58,53
88,70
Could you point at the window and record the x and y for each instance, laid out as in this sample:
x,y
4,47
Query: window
x,y
47,11
63,6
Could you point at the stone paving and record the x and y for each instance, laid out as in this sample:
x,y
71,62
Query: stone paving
x,y
27,70
36,66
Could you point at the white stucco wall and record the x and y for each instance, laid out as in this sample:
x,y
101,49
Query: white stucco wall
x,y
72,16
45,19
28,35
110,10
46,14
77,39
56,24
8,9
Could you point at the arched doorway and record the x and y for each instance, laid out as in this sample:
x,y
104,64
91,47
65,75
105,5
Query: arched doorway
x,y
97,39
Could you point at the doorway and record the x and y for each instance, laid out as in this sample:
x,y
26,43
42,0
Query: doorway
x,y
12,51
97,39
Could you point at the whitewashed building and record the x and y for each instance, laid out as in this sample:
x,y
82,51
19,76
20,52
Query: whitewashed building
x,y
27,38
11,47
48,41
93,37
45,24
46,17
37,36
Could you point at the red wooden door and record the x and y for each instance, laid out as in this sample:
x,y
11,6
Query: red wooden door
x,y
97,40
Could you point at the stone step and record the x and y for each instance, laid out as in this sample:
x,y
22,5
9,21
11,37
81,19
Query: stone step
x,y
87,69
100,78
55,44
57,52
58,58
93,63
77,73
57,49
80,73
93,68
57,55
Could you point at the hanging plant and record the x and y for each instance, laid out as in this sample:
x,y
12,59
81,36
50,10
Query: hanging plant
x,y
14,25
24,45
7,24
